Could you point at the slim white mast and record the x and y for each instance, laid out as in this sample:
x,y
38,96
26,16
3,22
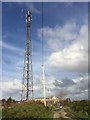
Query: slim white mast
x,y
43,74
44,87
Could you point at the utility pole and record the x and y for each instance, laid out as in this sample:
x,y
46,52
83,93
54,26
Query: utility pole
x,y
43,73
27,82
44,87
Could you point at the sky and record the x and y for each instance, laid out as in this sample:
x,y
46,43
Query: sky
x,y
45,0
65,37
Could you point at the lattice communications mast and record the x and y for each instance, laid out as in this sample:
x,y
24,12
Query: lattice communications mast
x,y
27,82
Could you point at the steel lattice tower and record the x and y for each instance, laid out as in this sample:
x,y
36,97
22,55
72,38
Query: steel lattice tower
x,y
27,82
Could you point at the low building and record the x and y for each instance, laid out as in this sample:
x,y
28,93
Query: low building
x,y
53,100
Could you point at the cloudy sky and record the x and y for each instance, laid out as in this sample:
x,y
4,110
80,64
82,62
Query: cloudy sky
x,y
65,36
45,0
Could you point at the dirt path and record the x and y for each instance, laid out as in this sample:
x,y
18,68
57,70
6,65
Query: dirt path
x,y
63,114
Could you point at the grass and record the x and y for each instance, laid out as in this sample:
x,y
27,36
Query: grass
x,y
80,109
27,110
80,115
0,113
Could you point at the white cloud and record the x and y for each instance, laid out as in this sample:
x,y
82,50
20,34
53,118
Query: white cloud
x,y
76,89
80,90
38,85
73,57
33,8
11,88
10,47
59,36
69,45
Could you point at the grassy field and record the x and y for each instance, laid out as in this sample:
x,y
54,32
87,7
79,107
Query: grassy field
x,y
31,111
0,113
81,109
81,115
27,111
